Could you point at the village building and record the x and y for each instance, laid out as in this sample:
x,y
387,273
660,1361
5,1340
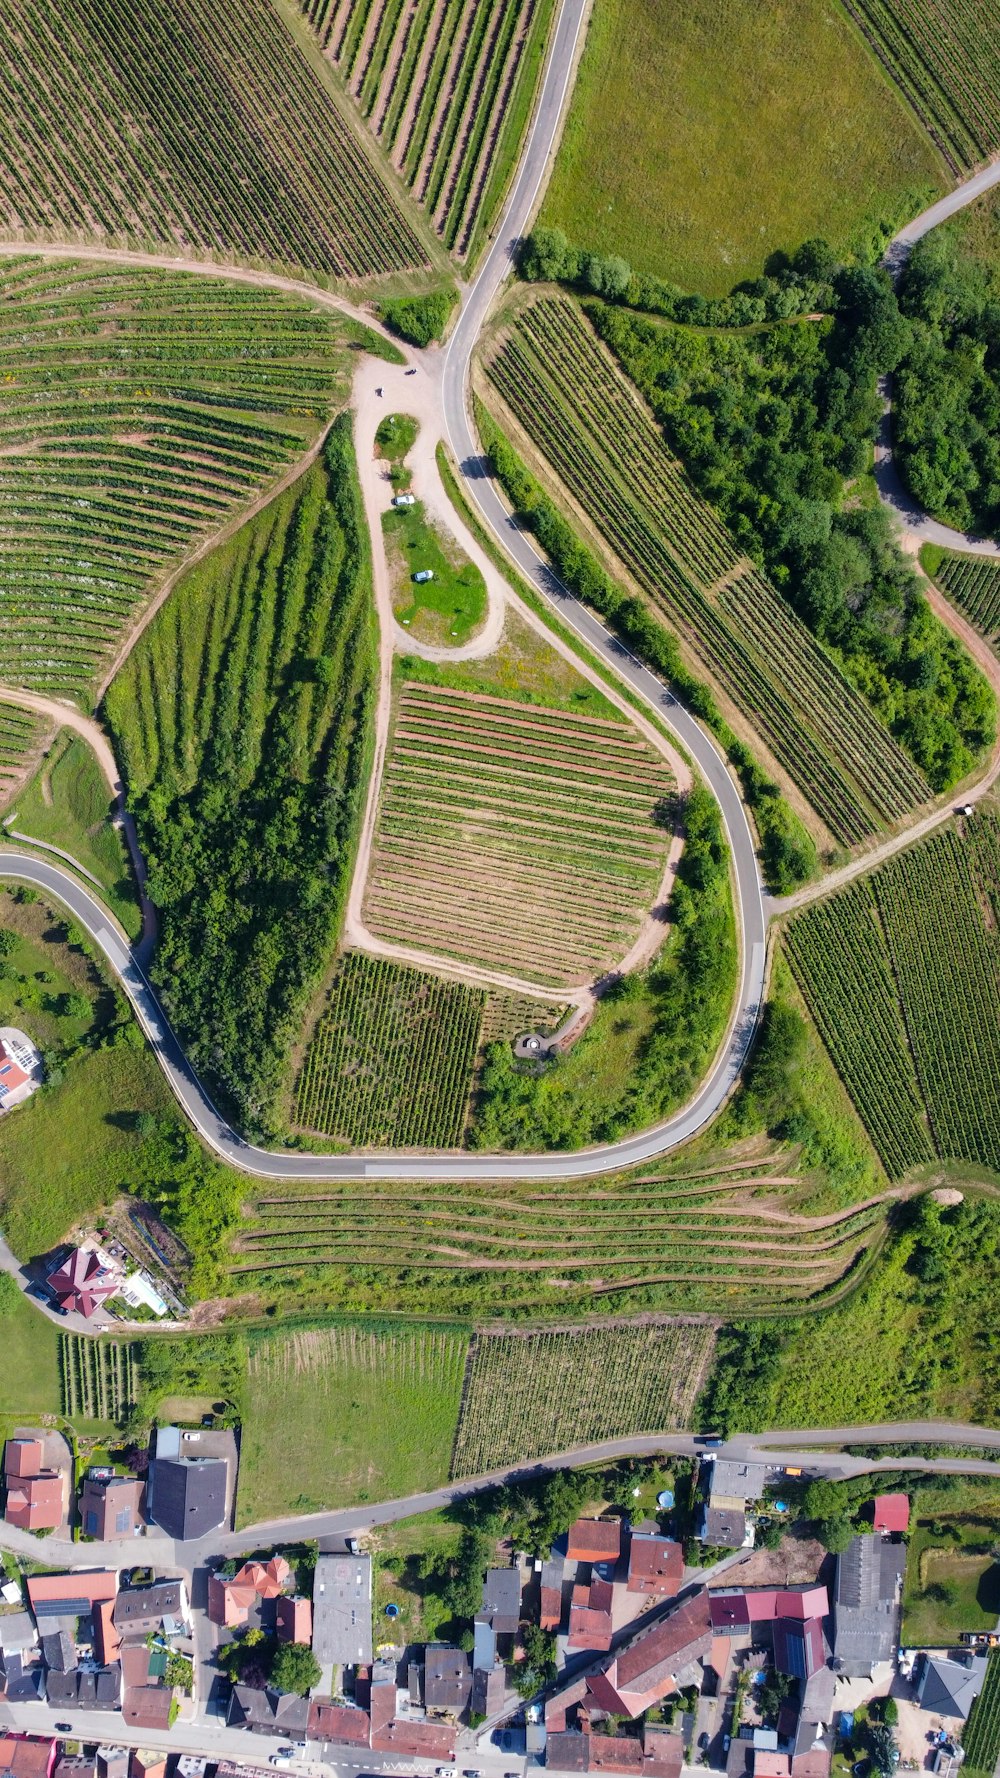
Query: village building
x,y
655,1565
866,1604
190,1482
342,1610
595,1540
85,1280
110,1505
36,1496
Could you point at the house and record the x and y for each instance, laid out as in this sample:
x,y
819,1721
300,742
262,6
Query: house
x,y
112,1762
950,1688
415,1740
18,1635
734,1480
489,1687
75,1765
188,1496
447,1678
595,1540
84,1281
85,1688
723,1527
230,1602
501,1605
866,1604
107,1641
36,1496
798,1647
27,1756
144,1764
733,1609
344,1724
148,1707
267,1712
342,1610
293,1620
550,1615
139,1611
12,1075
652,1665
590,1623
660,1753
70,1595
728,1486
22,1679
109,1505
655,1565
892,1513
59,1651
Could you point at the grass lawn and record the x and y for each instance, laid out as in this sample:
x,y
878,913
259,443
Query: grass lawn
x,y
952,1575
68,804
522,666
451,607
398,1549
395,437
348,1412
705,134
29,1375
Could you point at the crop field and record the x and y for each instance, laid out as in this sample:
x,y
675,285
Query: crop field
x,y
944,55
98,1378
391,1061
981,1734
447,87
530,1394
973,582
138,413
817,142
916,948
206,131
21,737
708,1241
581,412
515,836
346,1413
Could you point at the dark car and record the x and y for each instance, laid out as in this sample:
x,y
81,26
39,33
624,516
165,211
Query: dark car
x,y
65,1728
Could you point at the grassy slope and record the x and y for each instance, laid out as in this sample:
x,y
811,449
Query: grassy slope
x,y
29,1375
449,608
75,815
703,136
367,1415
954,1527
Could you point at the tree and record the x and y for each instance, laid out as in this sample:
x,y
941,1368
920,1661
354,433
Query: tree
x,y
890,1712
882,1747
538,1669
8,942
835,1534
295,1669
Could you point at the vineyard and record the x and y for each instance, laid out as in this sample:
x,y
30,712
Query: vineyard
x,y
529,1394
580,411
138,414
981,1735
973,582
518,837
98,1378
447,87
204,130
390,1063
21,737
346,1412
703,1241
917,949
944,57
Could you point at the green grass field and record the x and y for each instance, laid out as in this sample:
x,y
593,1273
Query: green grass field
x,y
29,1375
68,804
346,1413
706,134
448,609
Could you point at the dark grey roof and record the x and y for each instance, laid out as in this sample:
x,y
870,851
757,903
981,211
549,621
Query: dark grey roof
x,y
447,1677
58,1651
950,1688
487,1691
99,1690
188,1495
19,1682
17,1632
866,1604
724,1527
139,1605
502,1599
265,1711
735,1480
342,1610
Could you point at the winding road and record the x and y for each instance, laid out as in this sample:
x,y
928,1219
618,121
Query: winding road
x,y
446,415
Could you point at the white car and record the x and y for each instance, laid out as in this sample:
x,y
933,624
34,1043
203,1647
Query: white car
x,y
423,574
404,500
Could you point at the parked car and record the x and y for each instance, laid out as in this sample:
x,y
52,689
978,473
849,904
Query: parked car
x,y
423,574
64,1728
404,500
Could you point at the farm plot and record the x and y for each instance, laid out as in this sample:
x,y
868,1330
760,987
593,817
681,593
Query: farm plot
x,y
974,584
527,1395
517,837
138,413
903,978
981,1735
202,129
584,416
944,56
21,736
369,1413
447,87
390,1063
98,1377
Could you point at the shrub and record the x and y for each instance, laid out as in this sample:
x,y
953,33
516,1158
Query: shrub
x,y
419,319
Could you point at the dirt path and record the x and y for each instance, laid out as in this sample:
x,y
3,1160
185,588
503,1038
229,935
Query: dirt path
x,y
68,716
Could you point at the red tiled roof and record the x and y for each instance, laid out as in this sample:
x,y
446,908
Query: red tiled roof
x,y
550,1616
338,1722
23,1456
770,1765
135,1664
814,1763
91,1584
27,1757
655,1565
663,1753
590,1623
738,1609
595,1540
293,1619
81,1282
11,1073
892,1512
382,1706
644,1672
148,1707
106,1638
35,1503
417,1740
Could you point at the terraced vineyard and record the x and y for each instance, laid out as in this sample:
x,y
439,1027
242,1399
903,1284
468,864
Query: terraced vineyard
x,y
21,736
202,129
98,1378
390,1063
525,839
564,389
944,55
447,87
902,974
138,414
530,1394
973,582
702,1241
